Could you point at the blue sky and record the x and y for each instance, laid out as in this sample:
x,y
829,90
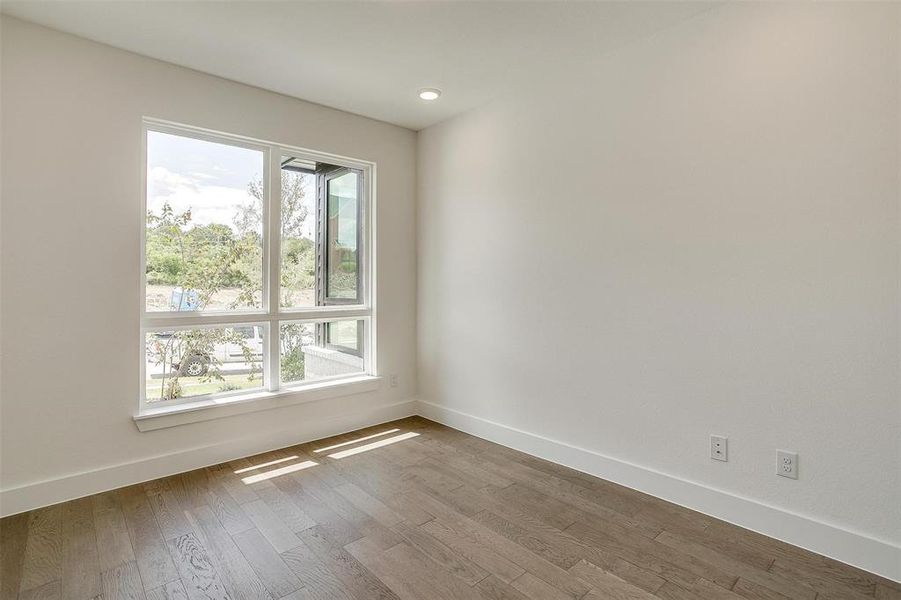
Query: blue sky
x,y
209,178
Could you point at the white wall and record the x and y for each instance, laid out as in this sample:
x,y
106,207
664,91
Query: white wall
x,y
696,234
71,133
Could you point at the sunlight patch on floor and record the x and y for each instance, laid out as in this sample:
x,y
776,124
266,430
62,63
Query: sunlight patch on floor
x,y
278,472
266,464
362,439
374,445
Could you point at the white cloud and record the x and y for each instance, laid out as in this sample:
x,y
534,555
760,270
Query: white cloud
x,y
208,203
162,181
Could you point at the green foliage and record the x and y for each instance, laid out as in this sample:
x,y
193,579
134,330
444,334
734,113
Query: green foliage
x,y
210,258
171,350
292,357
298,253
206,258
171,389
342,284
292,366
298,266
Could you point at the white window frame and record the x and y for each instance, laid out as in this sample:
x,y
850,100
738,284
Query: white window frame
x,y
271,315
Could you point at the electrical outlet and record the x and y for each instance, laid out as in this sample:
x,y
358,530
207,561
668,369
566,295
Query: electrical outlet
x,y
394,380
719,448
787,464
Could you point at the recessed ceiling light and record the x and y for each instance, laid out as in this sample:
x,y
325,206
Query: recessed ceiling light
x,y
429,93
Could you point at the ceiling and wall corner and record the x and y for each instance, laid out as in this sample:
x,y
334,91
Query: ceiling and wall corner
x,y
87,99
726,257
367,58
701,238
70,264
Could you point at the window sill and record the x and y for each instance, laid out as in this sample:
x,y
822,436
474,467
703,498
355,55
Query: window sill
x,y
207,410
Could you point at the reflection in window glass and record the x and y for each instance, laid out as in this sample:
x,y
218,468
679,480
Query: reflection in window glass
x,y
205,199
204,225
196,362
298,231
344,334
342,260
307,355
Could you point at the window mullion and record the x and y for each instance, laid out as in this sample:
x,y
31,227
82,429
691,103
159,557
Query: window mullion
x,y
322,313
273,266
307,360
186,321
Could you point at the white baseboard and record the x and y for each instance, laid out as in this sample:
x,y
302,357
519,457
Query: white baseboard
x,y
876,556
854,548
51,491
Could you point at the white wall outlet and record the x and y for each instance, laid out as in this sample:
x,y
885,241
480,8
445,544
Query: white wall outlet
x,y
719,448
787,464
393,379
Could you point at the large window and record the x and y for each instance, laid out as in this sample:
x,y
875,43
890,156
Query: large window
x,y
256,271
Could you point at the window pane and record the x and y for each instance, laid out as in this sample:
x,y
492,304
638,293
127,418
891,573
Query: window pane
x,y
204,249
195,362
298,231
342,236
345,334
307,354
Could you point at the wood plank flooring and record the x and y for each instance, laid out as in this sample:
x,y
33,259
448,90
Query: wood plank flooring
x,y
405,510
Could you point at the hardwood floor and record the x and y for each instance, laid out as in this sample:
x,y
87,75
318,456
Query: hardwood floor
x,y
415,510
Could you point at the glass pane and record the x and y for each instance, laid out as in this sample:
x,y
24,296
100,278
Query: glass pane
x,y
343,333
186,363
306,355
342,236
204,249
298,276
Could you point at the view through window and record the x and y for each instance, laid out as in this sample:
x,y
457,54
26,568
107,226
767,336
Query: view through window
x,y
223,216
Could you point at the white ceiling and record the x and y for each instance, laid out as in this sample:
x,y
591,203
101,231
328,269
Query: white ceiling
x,y
368,58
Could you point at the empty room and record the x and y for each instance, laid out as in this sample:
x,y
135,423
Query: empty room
x,y
438,300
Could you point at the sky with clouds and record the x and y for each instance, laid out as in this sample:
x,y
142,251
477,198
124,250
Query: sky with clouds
x,y
209,178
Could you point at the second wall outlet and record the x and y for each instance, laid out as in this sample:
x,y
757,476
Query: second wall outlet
x,y
719,447
787,464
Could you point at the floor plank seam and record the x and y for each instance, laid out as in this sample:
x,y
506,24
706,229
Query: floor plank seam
x,y
437,515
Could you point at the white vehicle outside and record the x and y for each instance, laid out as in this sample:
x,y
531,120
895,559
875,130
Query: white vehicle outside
x,y
229,357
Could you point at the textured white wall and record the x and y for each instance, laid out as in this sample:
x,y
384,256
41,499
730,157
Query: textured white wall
x,y
71,143
695,234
